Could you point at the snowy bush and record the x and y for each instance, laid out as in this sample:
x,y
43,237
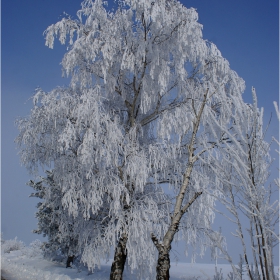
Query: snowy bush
x,y
12,245
34,249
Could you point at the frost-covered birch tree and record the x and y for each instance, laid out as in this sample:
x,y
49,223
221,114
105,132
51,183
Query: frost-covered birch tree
x,y
246,191
150,104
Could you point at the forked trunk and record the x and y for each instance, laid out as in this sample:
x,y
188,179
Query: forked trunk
x,y
119,259
164,248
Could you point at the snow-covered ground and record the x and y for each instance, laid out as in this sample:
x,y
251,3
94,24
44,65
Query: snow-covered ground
x,y
26,264
16,265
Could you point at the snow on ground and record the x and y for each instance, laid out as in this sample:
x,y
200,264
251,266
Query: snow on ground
x,y
19,265
16,265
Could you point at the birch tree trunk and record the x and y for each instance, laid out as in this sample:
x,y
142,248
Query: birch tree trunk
x,y
119,259
163,264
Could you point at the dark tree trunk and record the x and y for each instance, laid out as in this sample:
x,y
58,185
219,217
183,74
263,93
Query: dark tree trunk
x,y
70,260
163,266
119,259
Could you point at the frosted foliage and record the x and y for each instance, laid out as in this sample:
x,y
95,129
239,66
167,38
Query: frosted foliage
x,y
61,229
12,245
85,146
244,171
248,129
149,101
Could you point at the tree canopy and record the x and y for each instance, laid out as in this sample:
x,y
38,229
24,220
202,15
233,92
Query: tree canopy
x,y
151,105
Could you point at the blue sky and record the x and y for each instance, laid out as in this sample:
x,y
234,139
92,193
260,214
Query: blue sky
x,y
246,32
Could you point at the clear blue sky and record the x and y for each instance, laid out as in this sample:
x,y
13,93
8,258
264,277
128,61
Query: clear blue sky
x,y
246,32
